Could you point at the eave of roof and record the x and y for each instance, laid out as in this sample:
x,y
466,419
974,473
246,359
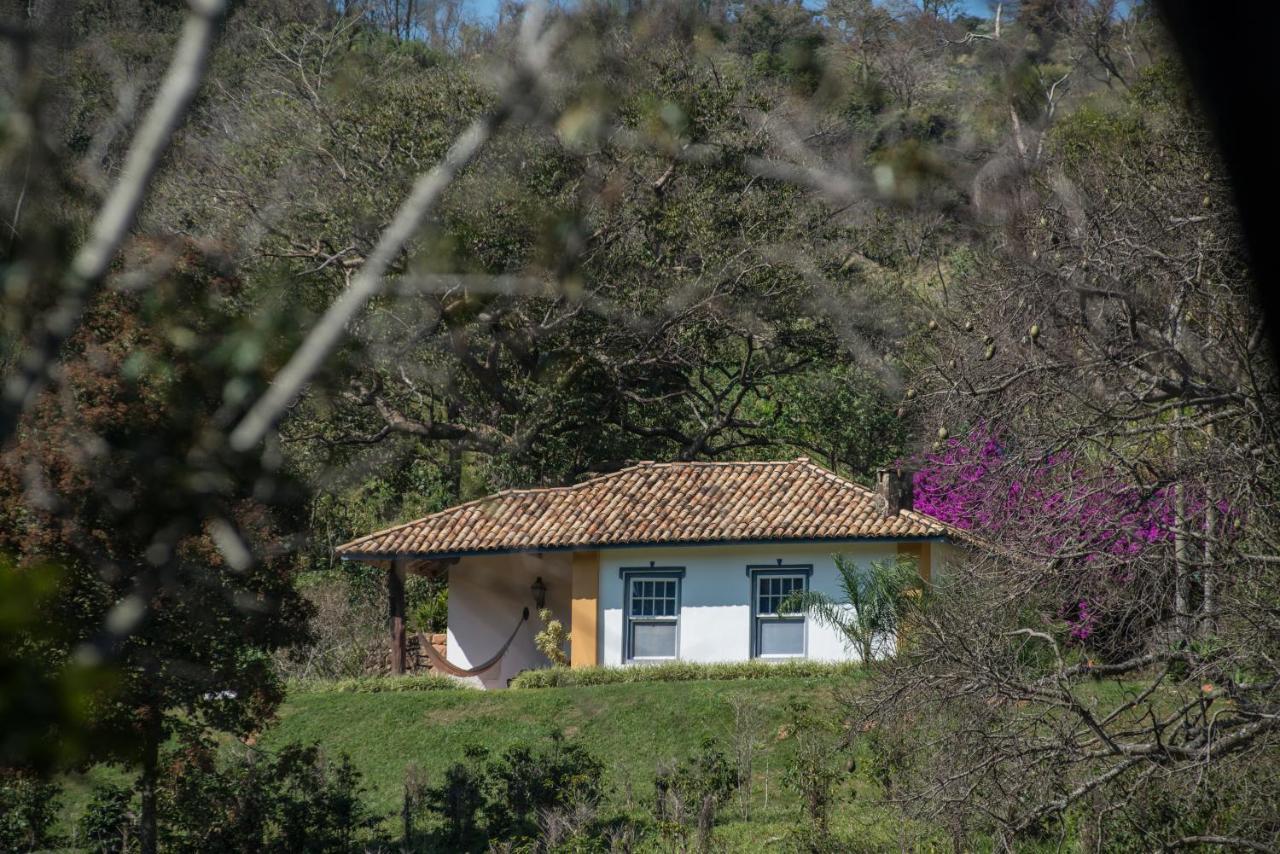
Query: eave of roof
x,y
782,541
658,504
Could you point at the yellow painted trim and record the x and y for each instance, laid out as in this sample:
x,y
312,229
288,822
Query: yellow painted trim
x,y
584,613
923,553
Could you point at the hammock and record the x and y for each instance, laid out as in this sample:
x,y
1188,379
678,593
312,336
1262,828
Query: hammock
x,y
439,663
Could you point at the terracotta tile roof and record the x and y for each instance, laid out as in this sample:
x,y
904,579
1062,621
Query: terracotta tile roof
x,y
656,503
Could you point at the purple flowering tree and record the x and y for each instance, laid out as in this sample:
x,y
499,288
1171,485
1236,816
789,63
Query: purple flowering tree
x,y
1099,526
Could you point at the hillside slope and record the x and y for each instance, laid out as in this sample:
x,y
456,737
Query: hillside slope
x,y
631,728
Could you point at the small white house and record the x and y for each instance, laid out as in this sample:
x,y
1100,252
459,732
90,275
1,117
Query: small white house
x,y
656,562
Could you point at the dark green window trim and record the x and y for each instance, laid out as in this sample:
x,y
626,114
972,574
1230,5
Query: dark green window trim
x,y
757,571
628,574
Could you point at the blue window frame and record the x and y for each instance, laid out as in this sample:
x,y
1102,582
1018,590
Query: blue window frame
x,y
651,611
775,634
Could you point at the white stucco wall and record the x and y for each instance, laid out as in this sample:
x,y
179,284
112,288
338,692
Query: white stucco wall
x,y
715,615
486,595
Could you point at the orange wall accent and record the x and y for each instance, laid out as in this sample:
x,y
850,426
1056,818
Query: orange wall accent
x,y
584,614
923,553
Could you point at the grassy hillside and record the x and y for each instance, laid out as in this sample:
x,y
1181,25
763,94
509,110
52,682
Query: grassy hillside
x,y
632,728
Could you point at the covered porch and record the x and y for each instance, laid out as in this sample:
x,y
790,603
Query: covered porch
x,y
488,598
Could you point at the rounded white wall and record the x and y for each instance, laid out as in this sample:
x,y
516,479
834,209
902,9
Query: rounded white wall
x,y
486,596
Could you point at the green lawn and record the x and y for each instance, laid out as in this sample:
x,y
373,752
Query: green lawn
x,y
631,727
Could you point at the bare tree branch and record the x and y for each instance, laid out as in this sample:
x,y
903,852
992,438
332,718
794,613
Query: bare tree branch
x,y
537,47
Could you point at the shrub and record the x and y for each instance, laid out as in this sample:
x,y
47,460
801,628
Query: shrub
x,y
378,685
551,638
689,794
109,823
814,772
432,614
459,797
682,671
293,800
549,790
27,808
528,781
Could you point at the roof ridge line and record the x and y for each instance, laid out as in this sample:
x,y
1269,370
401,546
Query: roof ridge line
x,y
526,490
830,475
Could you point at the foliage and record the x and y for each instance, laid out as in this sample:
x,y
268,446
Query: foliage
x,y
377,684
681,671
109,824
877,600
45,711
508,797
1057,505
178,596
550,639
527,781
432,614
815,771
290,800
688,794
348,638
458,799
348,628
1106,374
27,809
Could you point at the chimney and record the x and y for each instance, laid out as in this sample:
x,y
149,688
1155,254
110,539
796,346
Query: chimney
x,y
894,489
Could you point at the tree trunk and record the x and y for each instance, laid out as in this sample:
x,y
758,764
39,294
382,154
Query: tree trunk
x,y
395,605
1182,577
147,783
1208,622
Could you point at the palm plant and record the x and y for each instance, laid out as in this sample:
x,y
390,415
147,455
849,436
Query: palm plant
x,y
876,600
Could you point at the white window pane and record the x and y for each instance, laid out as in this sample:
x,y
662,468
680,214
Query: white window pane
x,y
781,637
653,640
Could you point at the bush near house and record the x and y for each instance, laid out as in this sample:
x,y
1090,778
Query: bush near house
x,y
376,684
682,671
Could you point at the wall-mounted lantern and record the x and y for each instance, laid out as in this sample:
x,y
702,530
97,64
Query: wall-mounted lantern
x,y
539,593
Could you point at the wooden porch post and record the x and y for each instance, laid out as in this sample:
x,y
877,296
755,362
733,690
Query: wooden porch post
x,y
395,605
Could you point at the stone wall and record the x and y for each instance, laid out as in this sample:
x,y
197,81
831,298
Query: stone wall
x,y
378,658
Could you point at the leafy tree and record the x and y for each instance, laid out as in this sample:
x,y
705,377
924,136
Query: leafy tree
x,y
118,480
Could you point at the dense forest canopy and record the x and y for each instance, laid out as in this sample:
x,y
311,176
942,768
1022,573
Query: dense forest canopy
x,y
997,247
